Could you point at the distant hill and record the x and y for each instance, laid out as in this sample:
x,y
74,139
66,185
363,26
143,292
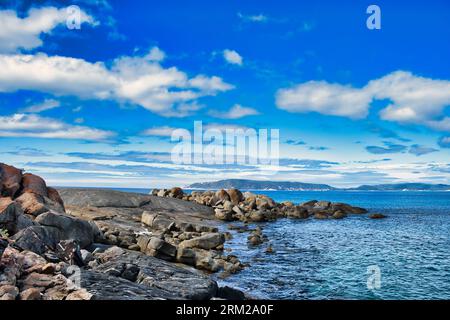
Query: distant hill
x,y
404,186
301,186
259,185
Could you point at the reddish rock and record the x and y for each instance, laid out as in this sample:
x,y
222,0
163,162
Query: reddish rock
x,y
54,196
10,179
35,184
176,192
32,203
30,294
377,216
8,292
222,195
235,196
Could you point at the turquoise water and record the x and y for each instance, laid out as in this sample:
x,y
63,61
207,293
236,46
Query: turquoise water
x,y
317,259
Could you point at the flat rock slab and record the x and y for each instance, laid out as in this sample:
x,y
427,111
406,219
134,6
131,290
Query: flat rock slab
x,y
162,279
124,209
105,287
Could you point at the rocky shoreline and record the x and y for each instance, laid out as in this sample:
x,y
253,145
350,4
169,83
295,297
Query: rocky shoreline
x,y
82,244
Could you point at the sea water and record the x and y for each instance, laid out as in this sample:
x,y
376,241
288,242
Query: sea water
x,y
332,259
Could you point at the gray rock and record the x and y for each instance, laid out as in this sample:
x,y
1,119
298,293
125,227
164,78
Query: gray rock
x,y
207,241
84,232
86,256
102,198
37,239
186,256
223,214
161,248
157,278
11,216
230,293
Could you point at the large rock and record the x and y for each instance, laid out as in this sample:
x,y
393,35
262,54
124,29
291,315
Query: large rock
x,y
298,212
176,192
207,241
10,179
157,279
377,216
157,247
8,292
37,238
222,195
346,208
35,184
223,214
83,232
235,196
53,195
157,221
11,216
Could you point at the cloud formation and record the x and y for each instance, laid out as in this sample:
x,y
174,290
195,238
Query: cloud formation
x,y
419,150
34,126
232,57
137,80
45,105
18,33
237,111
413,99
253,18
389,148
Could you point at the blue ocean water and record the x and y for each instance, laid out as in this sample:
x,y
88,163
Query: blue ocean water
x,y
329,259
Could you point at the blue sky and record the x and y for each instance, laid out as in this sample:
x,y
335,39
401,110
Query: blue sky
x,y
96,106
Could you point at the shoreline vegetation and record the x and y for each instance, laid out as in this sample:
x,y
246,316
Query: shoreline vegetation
x,y
83,243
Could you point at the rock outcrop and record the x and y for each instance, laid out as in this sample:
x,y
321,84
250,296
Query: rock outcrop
x,y
95,249
233,205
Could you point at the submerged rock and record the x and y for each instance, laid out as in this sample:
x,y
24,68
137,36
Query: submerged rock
x,y
377,216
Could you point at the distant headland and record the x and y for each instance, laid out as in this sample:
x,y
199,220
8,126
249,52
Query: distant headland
x,y
301,186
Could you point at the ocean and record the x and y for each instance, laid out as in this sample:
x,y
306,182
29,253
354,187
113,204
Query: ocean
x,y
409,251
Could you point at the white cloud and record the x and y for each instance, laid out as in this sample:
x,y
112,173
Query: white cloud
x,y
224,126
325,98
24,33
253,18
47,104
138,80
164,131
232,57
156,54
413,99
236,112
34,126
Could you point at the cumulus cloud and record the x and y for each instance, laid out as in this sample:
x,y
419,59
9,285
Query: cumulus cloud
x,y
232,57
413,99
45,105
34,126
138,80
18,33
235,112
324,98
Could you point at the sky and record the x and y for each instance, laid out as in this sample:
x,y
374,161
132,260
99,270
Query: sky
x,y
97,104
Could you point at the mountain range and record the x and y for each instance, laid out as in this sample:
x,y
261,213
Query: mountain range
x,y
301,186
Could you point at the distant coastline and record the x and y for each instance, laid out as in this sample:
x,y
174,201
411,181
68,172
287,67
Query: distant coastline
x,y
257,185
